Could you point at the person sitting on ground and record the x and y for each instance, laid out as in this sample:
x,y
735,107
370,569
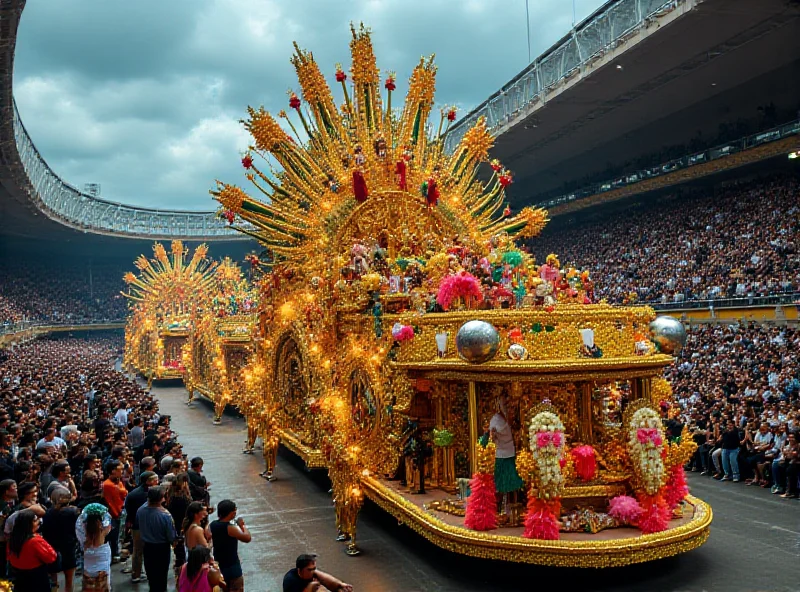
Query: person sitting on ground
x,y
305,577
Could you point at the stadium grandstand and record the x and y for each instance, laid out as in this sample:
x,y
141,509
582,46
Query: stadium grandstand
x,y
622,108
662,137
64,250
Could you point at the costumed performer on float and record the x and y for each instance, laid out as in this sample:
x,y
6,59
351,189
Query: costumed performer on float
x,y
506,478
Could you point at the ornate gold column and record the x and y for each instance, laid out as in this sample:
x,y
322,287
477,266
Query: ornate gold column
x,y
636,389
644,386
585,432
438,453
472,399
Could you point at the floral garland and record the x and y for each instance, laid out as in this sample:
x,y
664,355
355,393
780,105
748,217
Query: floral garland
x,y
646,449
547,446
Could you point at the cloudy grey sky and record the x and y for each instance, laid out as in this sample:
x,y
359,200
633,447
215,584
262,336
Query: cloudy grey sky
x,y
144,97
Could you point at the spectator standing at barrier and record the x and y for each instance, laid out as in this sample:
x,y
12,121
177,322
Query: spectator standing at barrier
x,y
198,484
30,555
158,533
226,535
8,499
114,493
58,529
731,440
92,529
135,500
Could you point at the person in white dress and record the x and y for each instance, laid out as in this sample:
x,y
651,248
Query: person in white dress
x,y
92,527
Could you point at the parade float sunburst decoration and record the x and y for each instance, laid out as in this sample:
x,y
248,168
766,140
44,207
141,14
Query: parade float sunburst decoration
x,y
369,164
165,295
170,282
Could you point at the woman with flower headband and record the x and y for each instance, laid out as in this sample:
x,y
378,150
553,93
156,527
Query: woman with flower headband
x,y
92,527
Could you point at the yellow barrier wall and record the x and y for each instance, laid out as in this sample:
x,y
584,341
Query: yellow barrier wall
x,y
786,312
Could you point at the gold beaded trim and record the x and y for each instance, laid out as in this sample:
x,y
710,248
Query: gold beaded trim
x,y
599,553
312,458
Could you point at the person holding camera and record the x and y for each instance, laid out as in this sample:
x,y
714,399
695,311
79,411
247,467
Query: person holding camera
x,y
226,534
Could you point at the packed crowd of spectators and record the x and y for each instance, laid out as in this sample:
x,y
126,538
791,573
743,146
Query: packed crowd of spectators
x,y
738,389
52,292
740,242
81,447
92,475
10,312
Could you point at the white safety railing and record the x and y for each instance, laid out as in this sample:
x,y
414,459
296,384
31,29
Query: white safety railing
x,y
64,203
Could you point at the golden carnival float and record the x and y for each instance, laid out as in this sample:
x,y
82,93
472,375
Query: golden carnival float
x,y
164,298
222,338
414,350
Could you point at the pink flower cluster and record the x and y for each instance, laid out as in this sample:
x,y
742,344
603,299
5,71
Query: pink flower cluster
x,y
625,508
460,285
402,333
645,435
544,439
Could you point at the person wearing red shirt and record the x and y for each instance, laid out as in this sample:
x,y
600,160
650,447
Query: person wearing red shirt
x,y
29,554
114,493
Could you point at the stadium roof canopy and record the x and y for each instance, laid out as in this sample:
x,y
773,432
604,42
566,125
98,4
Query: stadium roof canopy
x,y
636,77
36,203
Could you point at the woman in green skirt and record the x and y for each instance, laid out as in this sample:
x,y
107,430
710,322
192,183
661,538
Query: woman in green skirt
x,y
506,479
